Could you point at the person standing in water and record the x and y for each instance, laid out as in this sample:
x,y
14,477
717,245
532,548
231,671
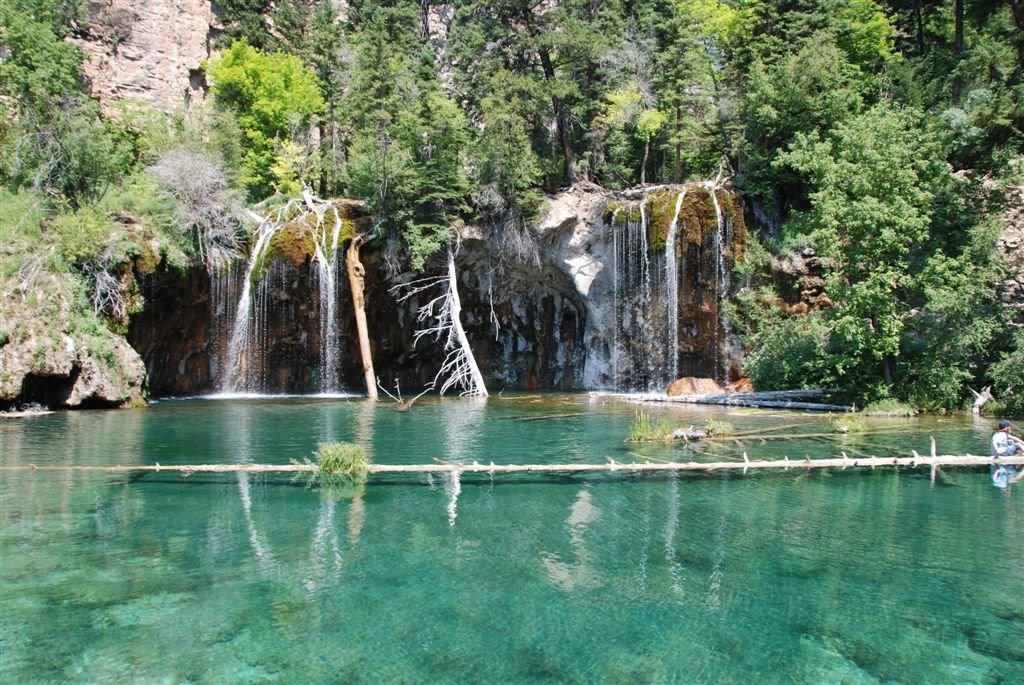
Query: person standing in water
x,y
1005,444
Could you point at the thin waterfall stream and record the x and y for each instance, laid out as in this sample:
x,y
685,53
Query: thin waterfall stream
x,y
670,275
246,368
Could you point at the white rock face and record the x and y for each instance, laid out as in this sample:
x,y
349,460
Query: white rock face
x,y
1011,244
583,249
148,51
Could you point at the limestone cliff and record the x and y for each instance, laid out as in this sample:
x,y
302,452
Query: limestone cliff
x,y
567,320
50,356
149,51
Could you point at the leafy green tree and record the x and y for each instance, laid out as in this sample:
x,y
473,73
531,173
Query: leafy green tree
x,y
70,155
1007,377
914,313
40,68
272,97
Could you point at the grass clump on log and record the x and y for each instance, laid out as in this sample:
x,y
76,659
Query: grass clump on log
x,y
718,428
341,459
646,430
341,470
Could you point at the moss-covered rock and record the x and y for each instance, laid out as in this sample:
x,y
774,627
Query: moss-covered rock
x,y
296,241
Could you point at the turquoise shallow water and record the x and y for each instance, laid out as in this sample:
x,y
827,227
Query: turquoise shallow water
x,y
826,577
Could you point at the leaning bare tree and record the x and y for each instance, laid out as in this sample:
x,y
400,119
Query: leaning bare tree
x,y
441,318
203,203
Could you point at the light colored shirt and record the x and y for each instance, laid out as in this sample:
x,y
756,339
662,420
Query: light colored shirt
x,y
1003,445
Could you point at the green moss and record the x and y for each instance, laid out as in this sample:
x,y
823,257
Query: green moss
x,y
148,259
348,230
661,208
732,210
613,216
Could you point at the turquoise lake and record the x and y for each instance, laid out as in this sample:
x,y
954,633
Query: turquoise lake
x,y
774,577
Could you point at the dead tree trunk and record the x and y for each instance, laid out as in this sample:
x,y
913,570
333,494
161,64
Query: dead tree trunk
x,y
476,379
442,316
980,398
356,279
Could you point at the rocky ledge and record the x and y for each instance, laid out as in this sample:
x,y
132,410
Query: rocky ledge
x,y
52,356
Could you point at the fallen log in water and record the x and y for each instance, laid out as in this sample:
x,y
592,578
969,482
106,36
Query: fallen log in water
x,y
611,465
773,399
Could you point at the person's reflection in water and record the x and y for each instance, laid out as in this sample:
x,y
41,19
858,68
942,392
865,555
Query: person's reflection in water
x,y
1005,444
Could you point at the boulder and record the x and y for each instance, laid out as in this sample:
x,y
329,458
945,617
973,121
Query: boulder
x,y
740,385
690,385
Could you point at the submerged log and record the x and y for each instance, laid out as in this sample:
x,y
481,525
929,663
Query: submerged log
x,y
772,399
453,467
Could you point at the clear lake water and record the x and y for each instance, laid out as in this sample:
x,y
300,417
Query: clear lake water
x,y
829,576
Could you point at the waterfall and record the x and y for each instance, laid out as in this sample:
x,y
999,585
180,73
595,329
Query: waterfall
x,y
245,369
245,363
664,330
325,259
723,279
672,285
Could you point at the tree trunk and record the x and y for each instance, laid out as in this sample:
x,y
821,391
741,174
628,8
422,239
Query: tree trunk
x,y
480,388
919,25
958,46
356,278
561,121
678,171
643,165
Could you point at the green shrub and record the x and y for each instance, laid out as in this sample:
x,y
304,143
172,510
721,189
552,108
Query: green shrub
x,y
84,234
849,423
1007,376
645,430
341,459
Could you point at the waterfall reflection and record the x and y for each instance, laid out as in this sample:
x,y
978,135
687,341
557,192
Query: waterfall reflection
x,y
713,600
260,548
671,528
578,574
462,419
238,423
325,551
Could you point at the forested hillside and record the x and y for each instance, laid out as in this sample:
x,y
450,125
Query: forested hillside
x,y
878,145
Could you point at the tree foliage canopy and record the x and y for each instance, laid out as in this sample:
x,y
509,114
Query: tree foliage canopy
x,y
876,133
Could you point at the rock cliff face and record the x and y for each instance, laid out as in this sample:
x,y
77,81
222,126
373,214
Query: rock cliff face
x,y
49,357
555,324
1011,245
148,51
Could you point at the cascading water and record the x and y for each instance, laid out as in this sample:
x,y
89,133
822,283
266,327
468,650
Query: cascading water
x,y
326,260
672,284
667,300
245,369
721,276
